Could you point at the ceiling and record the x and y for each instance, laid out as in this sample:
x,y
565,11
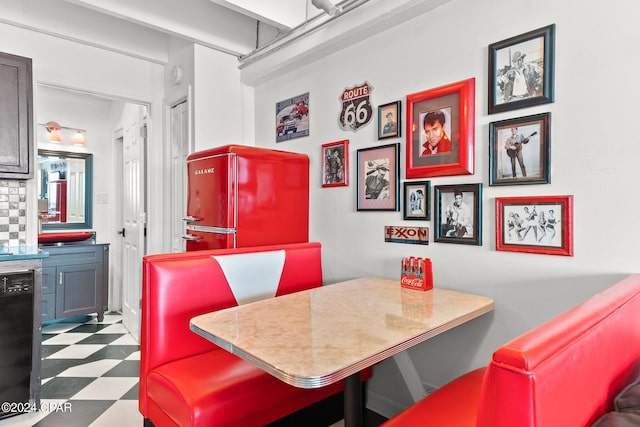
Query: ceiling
x,y
144,28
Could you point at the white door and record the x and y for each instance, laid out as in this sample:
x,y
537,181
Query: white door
x,y
179,152
134,221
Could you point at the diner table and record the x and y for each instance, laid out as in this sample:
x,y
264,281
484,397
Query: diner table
x,y
316,337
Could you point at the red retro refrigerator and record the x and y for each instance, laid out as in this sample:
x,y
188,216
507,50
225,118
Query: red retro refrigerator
x,y
242,196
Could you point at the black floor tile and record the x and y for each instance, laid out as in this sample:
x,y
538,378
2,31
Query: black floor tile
x,y
132,394
120,352
53,367
90,328
100,339
126,368
64,387
81,413
48,350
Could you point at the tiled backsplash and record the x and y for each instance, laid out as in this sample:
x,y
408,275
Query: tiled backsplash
x,y
13,213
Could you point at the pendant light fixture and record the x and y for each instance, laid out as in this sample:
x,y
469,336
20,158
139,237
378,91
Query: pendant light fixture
x,y
54,132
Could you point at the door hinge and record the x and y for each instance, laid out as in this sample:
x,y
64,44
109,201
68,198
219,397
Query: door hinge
x,y
140,303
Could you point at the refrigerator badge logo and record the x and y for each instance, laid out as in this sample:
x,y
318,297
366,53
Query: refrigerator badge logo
x,y
356,107
204,171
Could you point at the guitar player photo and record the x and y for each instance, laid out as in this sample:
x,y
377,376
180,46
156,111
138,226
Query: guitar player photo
x,y
519,152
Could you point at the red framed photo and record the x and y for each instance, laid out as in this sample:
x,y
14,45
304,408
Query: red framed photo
x,y
335,164
440,131
536,224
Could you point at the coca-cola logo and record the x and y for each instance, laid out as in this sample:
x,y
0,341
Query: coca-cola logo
x,y
413,282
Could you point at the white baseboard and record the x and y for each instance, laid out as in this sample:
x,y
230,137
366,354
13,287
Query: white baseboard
x,y
382,405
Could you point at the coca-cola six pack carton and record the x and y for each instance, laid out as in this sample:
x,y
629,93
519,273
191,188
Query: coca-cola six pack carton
x,y
416,273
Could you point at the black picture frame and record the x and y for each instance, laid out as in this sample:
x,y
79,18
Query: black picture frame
x,y
533,53
520,150
458,223
417,195
389,120
382,162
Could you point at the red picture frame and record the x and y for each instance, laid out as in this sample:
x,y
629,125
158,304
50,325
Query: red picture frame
x,y
335,164
535,224
455,105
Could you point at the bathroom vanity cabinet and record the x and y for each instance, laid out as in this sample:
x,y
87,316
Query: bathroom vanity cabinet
x,y
75,280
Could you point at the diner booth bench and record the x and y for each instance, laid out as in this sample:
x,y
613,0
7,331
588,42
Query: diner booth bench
x,y
186,380
566,372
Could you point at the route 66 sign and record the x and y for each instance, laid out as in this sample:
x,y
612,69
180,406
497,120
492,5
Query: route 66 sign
x,y
356,107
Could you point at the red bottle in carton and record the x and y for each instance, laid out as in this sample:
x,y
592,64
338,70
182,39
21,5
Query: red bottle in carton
x,y
416,273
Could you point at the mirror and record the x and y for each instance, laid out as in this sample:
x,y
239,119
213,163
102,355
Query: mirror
x,y
64,189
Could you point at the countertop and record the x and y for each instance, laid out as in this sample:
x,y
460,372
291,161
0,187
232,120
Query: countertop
x,y
20,253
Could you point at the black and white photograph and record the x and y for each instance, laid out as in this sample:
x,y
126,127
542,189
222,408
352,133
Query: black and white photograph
x,y
379,178
533,225
536,224
335,164
416,200
521,70
458,210
389,122
520,151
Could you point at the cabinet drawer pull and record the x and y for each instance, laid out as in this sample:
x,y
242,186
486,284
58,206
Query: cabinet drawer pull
x,y
60,278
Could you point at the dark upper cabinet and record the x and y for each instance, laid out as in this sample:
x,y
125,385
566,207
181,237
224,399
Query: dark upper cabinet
x,y
16,117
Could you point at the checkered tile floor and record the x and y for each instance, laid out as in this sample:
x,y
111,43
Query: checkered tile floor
x,y
89,375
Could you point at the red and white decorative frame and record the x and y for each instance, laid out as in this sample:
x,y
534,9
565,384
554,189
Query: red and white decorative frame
x,y
330,177
535,224
458,99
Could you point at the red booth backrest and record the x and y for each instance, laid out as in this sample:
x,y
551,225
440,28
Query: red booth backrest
x,y
177,287
567,371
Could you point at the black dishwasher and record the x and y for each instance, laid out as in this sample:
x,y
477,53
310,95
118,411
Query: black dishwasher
x,y
16,340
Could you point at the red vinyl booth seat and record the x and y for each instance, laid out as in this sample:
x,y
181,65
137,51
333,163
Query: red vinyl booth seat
x,y
563,373
185,380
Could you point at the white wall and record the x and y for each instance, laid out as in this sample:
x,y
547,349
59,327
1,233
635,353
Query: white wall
x,y
67,64
595,153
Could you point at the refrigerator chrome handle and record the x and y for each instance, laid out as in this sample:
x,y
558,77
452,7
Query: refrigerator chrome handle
x,y
191,218
190,237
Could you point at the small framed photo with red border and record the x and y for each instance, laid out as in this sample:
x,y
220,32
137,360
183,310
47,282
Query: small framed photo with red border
x,y
335,164
535,224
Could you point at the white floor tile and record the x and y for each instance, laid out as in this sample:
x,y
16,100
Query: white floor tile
x,y
92,369
108,318
106,388
134,356
79,351
66,339
125,340
56,328
117,328
121,413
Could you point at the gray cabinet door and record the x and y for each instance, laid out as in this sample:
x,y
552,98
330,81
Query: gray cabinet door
x,y
16,122
79,290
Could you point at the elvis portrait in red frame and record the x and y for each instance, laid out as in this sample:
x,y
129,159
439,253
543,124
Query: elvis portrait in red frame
x,y
440,131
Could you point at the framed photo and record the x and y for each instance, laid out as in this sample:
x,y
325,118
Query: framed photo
x,y
537,224
440,131
335,164
379,178
521,70
292,118
458,214
389,122
519,150
416,200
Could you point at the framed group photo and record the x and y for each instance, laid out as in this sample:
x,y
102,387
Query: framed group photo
x,y
416,200
521,70
440,131
379,178
389,123
536,224
335,164
458,214
520,150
